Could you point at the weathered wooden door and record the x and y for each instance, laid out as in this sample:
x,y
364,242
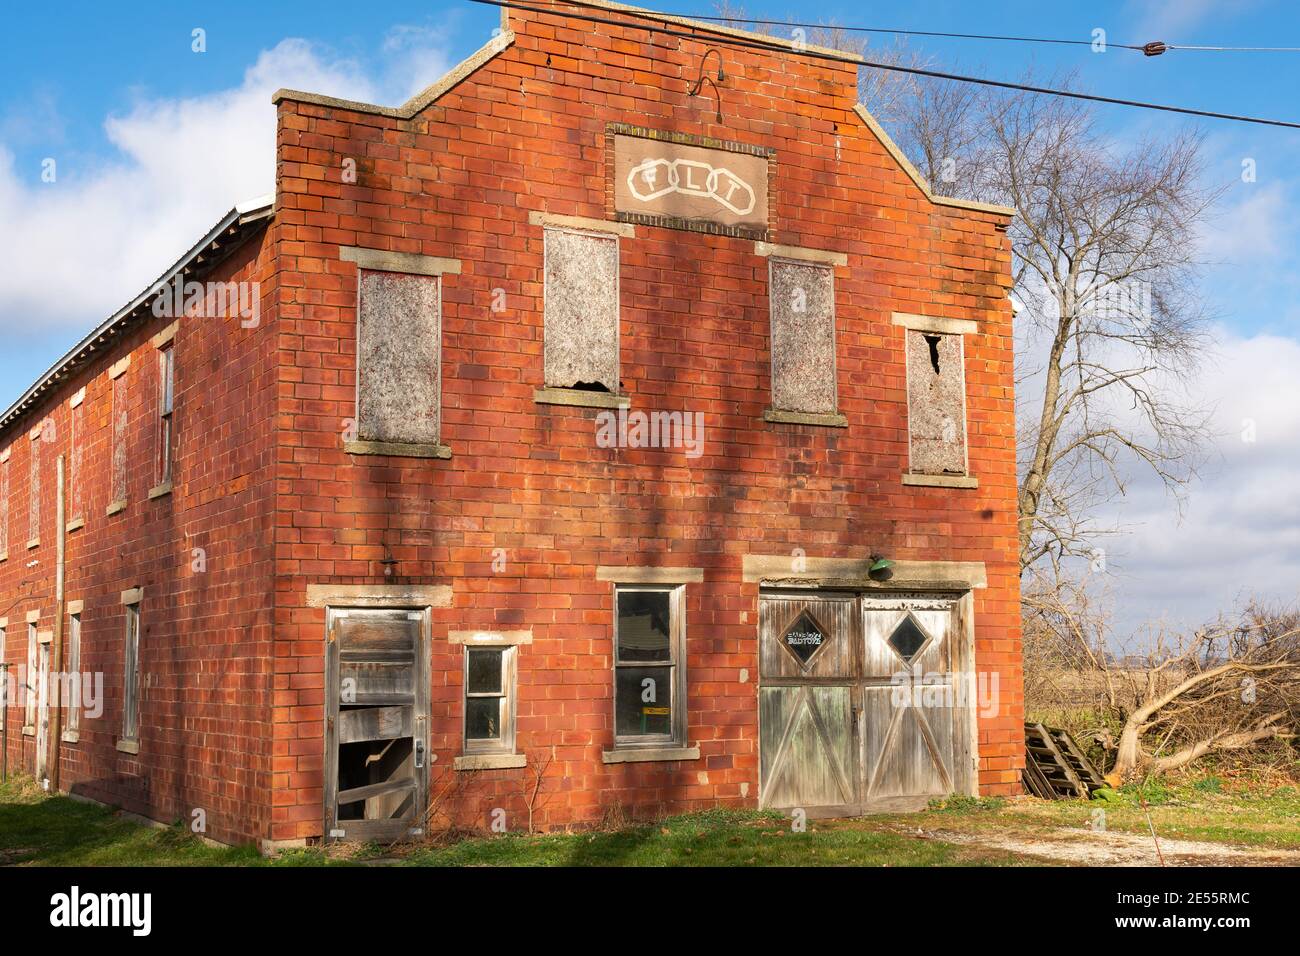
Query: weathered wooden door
x,y
861,704
807,663
376,725
915,741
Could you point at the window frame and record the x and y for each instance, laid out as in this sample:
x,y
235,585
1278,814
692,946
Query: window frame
x,y
72,722
603,232
29,684
166,406
676,738
131,674
504,743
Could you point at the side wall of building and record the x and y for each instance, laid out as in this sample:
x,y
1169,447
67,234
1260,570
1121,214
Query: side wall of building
x,y
201,554
528,506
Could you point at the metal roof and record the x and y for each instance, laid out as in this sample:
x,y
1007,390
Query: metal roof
x,y
221,240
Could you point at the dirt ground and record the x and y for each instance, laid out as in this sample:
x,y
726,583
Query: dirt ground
x,y
1088,848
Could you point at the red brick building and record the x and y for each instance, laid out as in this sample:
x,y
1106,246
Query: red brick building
x,y
623,409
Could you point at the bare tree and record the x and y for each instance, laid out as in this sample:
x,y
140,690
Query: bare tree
x,y
1111,331
1225,687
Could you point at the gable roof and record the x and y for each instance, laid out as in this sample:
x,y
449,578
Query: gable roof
x,y
215,246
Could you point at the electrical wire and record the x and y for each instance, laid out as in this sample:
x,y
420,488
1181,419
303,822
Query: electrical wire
x,y
755,43
1148,48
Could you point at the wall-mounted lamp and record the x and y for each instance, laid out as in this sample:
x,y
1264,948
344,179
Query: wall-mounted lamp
x,y
705,78
389,562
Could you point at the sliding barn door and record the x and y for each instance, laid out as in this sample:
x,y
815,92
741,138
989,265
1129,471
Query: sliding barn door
x,y
376,733
913,713
807,651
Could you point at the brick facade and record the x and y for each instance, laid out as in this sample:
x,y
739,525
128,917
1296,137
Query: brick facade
x,y
528,506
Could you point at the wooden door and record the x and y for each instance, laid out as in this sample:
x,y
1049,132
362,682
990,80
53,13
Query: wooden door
x,y
807,662
914,717
376,727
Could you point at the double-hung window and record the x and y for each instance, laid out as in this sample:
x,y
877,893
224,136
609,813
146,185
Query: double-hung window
x,y
649,667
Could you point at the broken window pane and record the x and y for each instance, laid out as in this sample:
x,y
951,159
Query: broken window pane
x,y
399,332
802,304
581,311
936,403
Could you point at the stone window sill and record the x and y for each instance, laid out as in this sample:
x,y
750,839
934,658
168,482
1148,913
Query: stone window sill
x,y
159,490
4,555
76,524
649,754
941,481
115,507
828,419
580,398
128,746
29,730
490,761
396,449
34,543
71,737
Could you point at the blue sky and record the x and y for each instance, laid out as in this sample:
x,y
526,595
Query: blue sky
x,y
152,142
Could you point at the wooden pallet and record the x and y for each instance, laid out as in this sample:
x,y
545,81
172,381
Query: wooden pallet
x,y
1055,766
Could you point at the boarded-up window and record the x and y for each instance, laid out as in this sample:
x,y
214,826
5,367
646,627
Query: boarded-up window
x,y
399,349
936,403
802,304
34,489
581,311
76,437
166,373
118,477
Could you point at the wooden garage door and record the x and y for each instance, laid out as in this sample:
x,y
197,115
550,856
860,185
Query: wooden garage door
x,y
909,699
376,734
859,707
807,659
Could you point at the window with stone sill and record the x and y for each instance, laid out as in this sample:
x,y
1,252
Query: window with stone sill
x,y
580,311
802,307
399,357
490,700
649,667
131,674
936,403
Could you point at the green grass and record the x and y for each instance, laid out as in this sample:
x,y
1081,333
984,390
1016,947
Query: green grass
x,y
713,838
40,830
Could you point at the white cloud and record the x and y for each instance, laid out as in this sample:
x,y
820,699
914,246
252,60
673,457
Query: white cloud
x,y
79,248
1240,535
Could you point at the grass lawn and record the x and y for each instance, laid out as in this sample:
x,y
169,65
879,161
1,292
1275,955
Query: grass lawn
x,y
37,829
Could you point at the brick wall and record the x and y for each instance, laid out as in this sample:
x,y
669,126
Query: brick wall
x,y
206,626
526,132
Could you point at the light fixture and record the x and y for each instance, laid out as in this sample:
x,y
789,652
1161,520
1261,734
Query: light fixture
x,y
704,77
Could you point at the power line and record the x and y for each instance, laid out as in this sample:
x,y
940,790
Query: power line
x,y
755,43
1154,48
